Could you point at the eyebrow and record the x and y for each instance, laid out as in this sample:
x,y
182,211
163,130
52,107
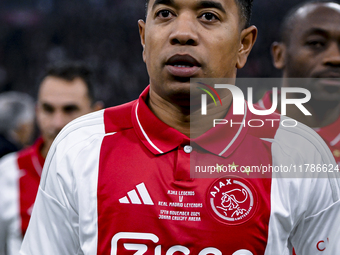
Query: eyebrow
x,y
165,2
47,106
211,4
314,31
199,5
70,107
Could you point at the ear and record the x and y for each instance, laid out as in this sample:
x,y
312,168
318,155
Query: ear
x,y
279,55
248,38
141,26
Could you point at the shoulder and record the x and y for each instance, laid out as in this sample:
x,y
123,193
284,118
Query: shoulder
x,y
7,163
80,141
97,124
82,127
69,145
301,155
77,132
26,152
299,138
289,136
109,120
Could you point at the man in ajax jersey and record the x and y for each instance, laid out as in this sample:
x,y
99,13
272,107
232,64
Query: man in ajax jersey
x,y
309,48
65,93
118,181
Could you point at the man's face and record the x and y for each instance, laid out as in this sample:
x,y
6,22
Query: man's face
x,y
185,39
314,50
59,102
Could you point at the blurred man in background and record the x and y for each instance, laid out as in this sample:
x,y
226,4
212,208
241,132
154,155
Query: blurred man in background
x,y
310,48
65,93
16,121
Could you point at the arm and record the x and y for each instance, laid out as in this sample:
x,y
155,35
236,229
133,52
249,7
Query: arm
x,y
307,203
65,211
52,228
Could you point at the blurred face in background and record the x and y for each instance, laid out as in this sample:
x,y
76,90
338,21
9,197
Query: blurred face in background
x,y
59,102
313,50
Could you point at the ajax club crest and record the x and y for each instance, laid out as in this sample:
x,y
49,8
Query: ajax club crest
x,y
232,200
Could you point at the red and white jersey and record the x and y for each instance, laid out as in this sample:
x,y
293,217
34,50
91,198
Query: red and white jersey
x,y
118,181
330,133
19,181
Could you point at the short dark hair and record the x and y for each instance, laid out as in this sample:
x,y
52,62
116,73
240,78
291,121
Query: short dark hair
x,y
245,7
70,70
288,22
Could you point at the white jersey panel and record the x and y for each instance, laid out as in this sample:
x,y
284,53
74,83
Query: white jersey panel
x,y
71,195
10,223
332,247
300,205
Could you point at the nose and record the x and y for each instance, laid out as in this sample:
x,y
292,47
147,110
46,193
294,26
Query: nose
x,y
59,120
332,57
184,30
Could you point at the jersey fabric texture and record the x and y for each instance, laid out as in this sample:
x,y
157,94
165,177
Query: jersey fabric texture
x,y
118,182
330,133
19,181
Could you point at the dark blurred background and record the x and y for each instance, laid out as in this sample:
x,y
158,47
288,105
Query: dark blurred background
x,y
103,33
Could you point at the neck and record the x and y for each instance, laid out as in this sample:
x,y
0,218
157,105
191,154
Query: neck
x,y
44,149
187,121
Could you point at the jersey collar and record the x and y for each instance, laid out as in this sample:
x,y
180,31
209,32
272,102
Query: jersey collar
x,y
37,159
157,136
223,139
160,138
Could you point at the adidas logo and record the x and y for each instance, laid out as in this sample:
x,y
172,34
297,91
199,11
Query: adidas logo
x,y
135,199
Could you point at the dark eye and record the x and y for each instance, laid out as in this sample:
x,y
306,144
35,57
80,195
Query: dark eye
x,y
209,16
69,109
164,14
47,108
315,44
